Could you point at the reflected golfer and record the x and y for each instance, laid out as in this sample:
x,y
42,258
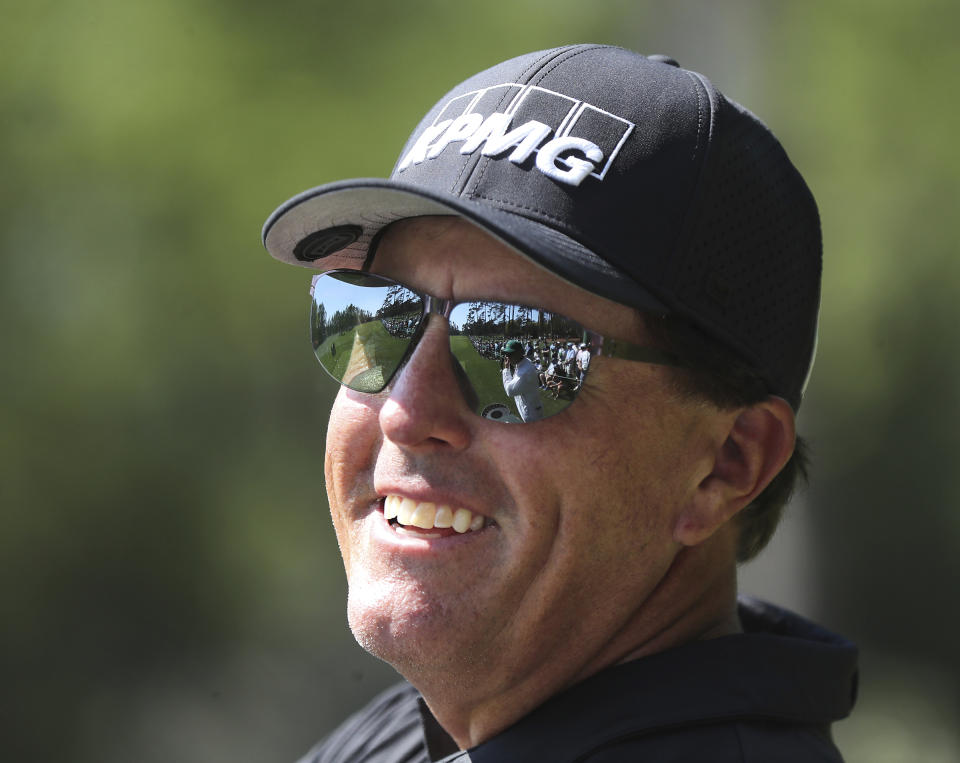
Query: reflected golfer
x,y
520,380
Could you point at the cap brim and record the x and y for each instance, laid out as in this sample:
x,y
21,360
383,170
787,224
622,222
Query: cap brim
x,y
372,203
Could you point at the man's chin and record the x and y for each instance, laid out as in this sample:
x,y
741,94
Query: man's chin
x,y
417,639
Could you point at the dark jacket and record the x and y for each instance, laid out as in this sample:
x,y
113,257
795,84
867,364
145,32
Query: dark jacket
x,y
767,695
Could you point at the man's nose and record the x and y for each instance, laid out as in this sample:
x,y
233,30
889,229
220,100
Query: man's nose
x,y
426,405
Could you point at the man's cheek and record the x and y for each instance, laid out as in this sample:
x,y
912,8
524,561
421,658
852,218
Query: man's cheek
x,y
351,447
353,436
354,425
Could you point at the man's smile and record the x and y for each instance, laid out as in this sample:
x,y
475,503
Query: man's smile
x,y
407,515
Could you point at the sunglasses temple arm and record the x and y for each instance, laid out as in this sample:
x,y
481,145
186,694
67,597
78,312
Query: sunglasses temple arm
x,y
616,348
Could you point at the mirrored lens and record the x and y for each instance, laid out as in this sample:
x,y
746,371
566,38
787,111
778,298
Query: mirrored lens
x,y
360,326
521,362
514,363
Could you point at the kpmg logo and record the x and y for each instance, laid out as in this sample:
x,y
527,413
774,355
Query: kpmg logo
x,y
572,139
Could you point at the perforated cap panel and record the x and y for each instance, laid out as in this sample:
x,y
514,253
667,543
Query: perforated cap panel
x,y
749,270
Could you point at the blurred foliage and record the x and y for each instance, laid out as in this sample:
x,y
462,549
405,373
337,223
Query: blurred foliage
x,y
171,586
884,408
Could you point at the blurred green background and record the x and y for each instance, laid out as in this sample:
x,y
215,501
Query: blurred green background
x,y
171,587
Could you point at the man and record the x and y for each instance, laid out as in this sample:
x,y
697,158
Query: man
x,y
625,202
520,381
583,363
570,363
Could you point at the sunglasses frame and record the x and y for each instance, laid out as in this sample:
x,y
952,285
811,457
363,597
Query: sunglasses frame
x,y
433,305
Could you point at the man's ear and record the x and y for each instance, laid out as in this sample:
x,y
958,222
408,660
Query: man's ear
x,y
758,443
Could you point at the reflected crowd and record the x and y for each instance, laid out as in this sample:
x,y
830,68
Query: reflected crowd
x,y
561,363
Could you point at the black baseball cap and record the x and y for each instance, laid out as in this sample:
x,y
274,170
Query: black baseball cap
x,y
627,175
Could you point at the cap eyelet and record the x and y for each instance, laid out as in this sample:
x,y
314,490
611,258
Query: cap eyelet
x,y
662,59
323,243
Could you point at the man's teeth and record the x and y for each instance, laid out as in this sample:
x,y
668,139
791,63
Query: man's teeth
x,y
428,515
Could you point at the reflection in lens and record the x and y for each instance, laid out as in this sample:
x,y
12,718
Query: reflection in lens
x,y
541,380
360,327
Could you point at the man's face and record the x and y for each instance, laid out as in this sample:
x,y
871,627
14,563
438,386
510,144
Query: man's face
x,y
579,508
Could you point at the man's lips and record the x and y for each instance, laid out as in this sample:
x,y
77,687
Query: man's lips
x,y
409,515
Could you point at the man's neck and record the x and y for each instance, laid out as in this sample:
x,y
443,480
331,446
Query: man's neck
x,y
675,613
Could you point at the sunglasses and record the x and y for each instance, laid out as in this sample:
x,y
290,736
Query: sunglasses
x,y
514,363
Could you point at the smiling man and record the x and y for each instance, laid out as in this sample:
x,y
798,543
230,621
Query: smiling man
x,y
556,578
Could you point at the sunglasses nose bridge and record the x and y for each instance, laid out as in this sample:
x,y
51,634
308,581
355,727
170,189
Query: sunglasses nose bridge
x,y
431,306
429,399
437,306
444,308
